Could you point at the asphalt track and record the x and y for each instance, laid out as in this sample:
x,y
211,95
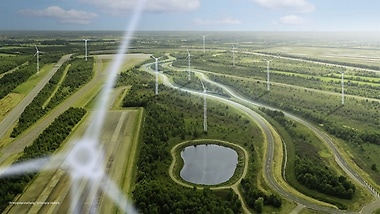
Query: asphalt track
x,y
13,116
28,136
270,140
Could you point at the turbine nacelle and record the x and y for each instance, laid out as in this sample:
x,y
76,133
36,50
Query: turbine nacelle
x,y
85,160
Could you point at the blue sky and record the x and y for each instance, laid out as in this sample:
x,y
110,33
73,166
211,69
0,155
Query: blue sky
x,y
198,15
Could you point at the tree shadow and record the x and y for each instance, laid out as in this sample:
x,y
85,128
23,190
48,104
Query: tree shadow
x,y
261,95
334,110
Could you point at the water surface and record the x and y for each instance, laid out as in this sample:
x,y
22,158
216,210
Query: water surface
x,y
208,164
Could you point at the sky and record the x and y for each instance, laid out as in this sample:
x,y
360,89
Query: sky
x,y
193,15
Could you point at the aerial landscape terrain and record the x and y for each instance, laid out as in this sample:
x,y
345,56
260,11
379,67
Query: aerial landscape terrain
x,y
201,119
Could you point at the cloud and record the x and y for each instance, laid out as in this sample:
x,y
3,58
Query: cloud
x,y
63,16
296,5
222,21
156,6
292,20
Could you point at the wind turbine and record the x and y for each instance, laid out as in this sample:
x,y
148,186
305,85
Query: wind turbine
x,y
85,48
268,81
204,108
86,158
188,57
156,72
38,60
204,44
233,55
342,87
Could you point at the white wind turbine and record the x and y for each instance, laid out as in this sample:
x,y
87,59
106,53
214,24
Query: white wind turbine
x,y
37,54
342,82
85,161
204,44
204,108
85,48
188,58
156,73
268,81
233,55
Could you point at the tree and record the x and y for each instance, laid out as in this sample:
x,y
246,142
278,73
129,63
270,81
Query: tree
x,y
259,204
373,167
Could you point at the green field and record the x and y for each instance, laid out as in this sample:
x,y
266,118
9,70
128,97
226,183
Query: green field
x,y
305,82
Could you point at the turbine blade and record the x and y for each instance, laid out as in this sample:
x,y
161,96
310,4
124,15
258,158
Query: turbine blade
x,y
109,187
203,86
75,193
24,167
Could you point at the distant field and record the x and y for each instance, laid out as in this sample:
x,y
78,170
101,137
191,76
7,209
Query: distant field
x,y
340,54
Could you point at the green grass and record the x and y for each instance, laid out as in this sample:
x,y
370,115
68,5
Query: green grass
x,y
57,86
27,86
361,196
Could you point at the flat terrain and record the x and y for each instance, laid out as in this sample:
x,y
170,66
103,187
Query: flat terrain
x,y
50,191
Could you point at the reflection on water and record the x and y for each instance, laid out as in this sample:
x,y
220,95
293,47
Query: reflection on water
x,y
208,164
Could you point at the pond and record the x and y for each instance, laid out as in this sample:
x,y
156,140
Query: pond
x,y
208,164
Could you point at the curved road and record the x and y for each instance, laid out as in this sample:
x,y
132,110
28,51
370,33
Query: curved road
x,y
324,137
268,135
270,139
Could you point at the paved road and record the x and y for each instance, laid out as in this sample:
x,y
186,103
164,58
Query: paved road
x,y
321,135
13,116
270,139
312,61
266,127
27,137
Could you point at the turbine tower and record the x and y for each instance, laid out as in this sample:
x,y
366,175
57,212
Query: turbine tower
x,y
156,73
268,81
188,57
233,55
38,60
204,108
85,48
204,44
342,87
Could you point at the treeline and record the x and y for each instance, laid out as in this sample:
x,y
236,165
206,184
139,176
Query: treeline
x,y
35,109
350,64
299,102
348,134
46,143
10,62
160,124
155,197
256,199
317,177
154,191
309,168
11,80
78,74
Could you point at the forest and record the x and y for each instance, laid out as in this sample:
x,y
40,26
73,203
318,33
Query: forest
x,y
172,117
310,169
77,75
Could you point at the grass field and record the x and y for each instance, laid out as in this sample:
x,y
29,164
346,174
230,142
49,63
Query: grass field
x,y
53,186
352,54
